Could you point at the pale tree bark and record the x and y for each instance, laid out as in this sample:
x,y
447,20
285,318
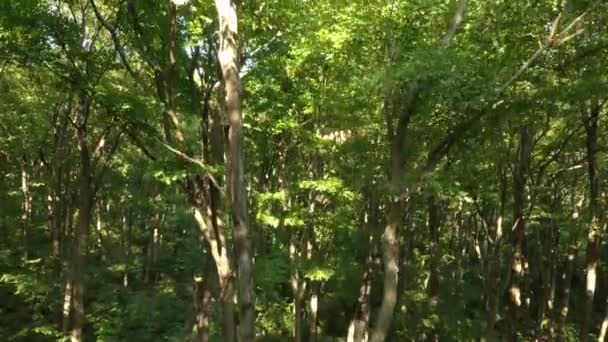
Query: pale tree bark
x,y
26,207
604,325
518,235
313,316
591,121
67,306
214,234
202,299
228,59
127,224
202,191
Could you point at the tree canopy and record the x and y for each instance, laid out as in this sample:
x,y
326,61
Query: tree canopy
x,y
398,170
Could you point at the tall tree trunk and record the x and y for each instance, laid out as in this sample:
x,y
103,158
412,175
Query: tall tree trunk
x,y
228,58
79,251
57,198
213,230
519,231
390,258
591,120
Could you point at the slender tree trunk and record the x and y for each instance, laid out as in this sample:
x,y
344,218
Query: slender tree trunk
x,y
213,230
98,230
127,224
591,121
202,299
550,244
359,326
545,280
57,198
151,250
313,317
79,252
26,214
433,283
390,257
494,278
228,58
563,299
358,330
298,288
66,295
604,326
519,232
562,312
66,312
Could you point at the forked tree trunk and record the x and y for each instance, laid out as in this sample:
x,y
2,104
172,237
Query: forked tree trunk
x,y
228,59
213,230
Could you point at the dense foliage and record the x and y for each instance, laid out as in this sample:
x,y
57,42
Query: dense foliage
x,y
414,170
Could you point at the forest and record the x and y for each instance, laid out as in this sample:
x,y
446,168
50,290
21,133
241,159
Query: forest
x,y
304,170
